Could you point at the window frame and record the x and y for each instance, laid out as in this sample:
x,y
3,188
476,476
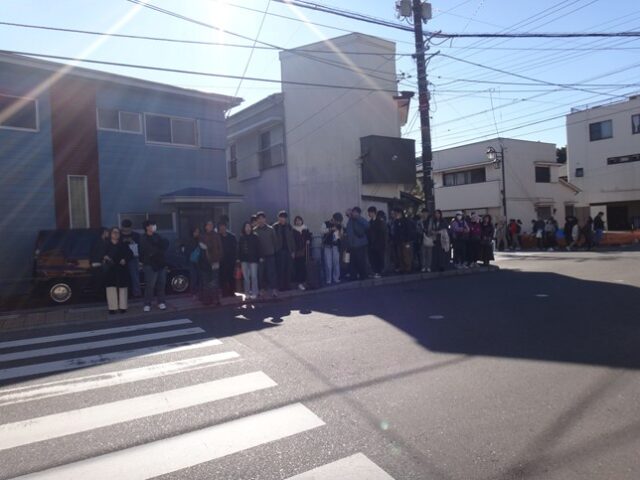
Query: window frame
x,y
119,129
579,173
466,174
542,168
172,143
86,200
37,112
591,139
233,161
632,117
263,152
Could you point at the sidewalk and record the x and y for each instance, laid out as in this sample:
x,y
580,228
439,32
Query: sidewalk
x,y
92,313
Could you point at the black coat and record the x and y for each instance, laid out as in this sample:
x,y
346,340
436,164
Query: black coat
x,y
378,233
229,249
249,248
115,274
152,251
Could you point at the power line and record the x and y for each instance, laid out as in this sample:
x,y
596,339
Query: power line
x,y
535,35
193,72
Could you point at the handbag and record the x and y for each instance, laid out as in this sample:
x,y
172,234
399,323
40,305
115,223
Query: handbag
x,y
346,258
427,241
195,255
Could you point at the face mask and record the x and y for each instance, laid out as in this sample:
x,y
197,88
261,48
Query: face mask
x,y
459,217
154,228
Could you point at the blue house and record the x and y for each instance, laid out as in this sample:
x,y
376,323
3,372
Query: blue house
x,y
81,148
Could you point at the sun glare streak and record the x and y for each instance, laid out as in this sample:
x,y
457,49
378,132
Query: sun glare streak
x,y
58,74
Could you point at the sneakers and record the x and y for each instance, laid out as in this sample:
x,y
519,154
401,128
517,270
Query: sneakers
x,y
162,306
423,270
147,308
377,275
302,287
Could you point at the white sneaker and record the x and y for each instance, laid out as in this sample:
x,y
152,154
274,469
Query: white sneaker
x,y
302,287
423,270
377,275
146,308
162,306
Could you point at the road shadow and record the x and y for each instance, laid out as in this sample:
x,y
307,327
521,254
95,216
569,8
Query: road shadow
x,y
511,314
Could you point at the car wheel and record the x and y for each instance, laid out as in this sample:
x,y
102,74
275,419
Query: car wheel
x,y
179,283
60,292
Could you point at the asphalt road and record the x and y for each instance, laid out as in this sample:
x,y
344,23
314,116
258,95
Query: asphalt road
x,y
527,373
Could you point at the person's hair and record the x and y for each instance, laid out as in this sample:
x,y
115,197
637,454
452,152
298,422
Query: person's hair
x,y
222,223
244,228
357,209
600,213
283,214
193,230
147,223
261,214
253,218
337,217
397,210
438,213
298,217
372,209
487,216
126,223
424,210
380,215
114,229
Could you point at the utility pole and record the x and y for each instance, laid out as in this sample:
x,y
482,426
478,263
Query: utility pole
x,y
421,12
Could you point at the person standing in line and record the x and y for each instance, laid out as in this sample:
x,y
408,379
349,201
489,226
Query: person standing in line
x,y
486,240
332,235
501,235
460,235
378,233
587,233
402,241
302,239
192,254
152,256
598,229
285,250
473,244
538,232
116,258
249,255
439,231
211,246
268,248
357,230
228,260
428,240
512,235
131,239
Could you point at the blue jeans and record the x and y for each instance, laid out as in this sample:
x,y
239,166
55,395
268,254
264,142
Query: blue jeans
x,y
154,281
250,278
134,273
597,238
331,264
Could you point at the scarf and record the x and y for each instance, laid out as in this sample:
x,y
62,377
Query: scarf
x,y
300,228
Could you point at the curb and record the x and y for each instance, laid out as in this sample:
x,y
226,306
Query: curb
x,y
55,317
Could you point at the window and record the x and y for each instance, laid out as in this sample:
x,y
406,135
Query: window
x,y
18,113
623,159
569,211
635,124
78,201
173,131
265,150
465,177
580,172
543,174
543,213
164,221
233,161
128,122
600,130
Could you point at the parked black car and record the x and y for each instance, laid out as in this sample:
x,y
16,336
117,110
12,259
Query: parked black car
x,y
63,267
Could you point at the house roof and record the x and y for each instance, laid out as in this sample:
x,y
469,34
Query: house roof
x,y
200,195
66,69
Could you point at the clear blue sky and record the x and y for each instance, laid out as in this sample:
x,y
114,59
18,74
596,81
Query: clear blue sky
x,y
467,103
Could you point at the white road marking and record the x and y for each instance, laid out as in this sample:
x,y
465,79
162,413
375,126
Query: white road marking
x,y
92,333
436,317
78,347
84,383
355,467
189,449
84,419
541,295
100,359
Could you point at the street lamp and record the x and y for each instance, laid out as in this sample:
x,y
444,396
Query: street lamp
x,y
497,158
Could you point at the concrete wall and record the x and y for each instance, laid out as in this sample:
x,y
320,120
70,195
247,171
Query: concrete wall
x,y
604,183
133,173
26,176
523,193
264,190
324,125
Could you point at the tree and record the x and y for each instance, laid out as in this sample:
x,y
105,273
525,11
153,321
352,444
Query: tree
x,y
561,155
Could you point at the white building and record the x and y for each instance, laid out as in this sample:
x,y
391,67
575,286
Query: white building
x,y
603,155
318,149
464,179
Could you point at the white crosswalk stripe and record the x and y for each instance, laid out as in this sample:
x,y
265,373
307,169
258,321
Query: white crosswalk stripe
x,y
158,457
85,383
355,467
100,359
92,333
